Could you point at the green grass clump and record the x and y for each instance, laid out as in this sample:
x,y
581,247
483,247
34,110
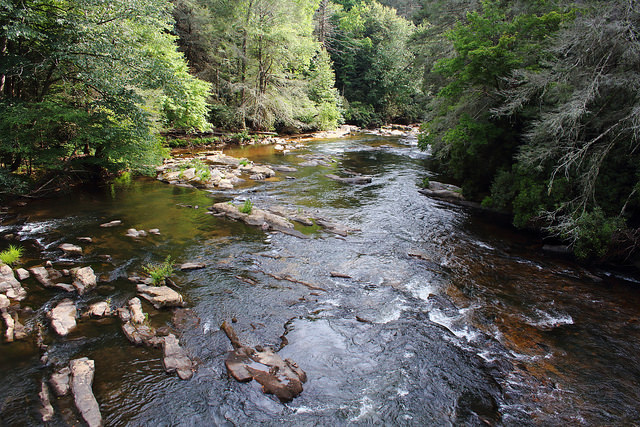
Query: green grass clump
x,y
425,182
12,255
247,207
244,162
159,272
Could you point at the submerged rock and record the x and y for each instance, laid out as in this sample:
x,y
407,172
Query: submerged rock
x,y
46,277
60,381
70,249
282,378
63,317
175,358
352,180
160,296
82,371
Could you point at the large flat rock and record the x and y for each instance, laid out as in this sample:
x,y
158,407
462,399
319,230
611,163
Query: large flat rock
x,y
63,317
160,296
82,371
175,358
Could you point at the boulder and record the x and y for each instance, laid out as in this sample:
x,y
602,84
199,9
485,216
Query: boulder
x,y
114,223
160,296
82,371
257,217
139,334
60,381
70,249
132,232
84,279
223,159
99,309
262,170
22,274
192,266
225,184
188,174
282,378
447,192
46,276
155,231
175,359
9,285
63,317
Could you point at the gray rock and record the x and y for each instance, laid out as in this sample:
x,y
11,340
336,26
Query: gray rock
x,y
114,223
4,302
135,308
85,239
160,296
19,332
139,334
70,249
192,266
82,371
99,309
257,217
60,381
132,232
22,274
47,410
352,180
9,325
175,358
155,231
225,184
63,317
257,177
9,285
84,279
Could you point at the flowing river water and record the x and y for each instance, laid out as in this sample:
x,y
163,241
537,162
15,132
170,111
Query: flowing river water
x,y
449,317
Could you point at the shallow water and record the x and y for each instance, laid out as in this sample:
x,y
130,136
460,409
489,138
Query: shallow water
x,y
480,328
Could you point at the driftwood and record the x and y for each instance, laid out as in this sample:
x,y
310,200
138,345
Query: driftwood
x,y
282,378
288,278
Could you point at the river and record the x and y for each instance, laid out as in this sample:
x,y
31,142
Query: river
x,y
449,317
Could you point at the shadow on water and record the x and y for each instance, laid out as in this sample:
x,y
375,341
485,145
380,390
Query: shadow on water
x,y
444,318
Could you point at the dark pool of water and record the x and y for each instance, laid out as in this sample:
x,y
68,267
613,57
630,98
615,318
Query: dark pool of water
x,y
482,328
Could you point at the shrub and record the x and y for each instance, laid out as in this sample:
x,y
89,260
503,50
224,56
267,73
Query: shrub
x,y
12,255
159,272
247,207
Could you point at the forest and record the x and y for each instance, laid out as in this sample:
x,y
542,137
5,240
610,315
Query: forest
x,y
533,107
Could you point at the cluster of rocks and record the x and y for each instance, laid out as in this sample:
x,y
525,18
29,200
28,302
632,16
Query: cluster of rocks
x,y
396,130
75,379
280,377
64,313
212,170
278,218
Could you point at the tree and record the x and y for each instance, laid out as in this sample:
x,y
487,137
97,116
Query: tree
x,y
372,62
92,78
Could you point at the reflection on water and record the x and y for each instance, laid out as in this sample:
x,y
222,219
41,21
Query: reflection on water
x,y
448,317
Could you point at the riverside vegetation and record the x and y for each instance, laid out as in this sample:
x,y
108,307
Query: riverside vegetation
x,y
543,94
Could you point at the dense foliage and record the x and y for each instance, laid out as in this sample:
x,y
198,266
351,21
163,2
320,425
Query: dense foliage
x,y
545,96
92,80
533,106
